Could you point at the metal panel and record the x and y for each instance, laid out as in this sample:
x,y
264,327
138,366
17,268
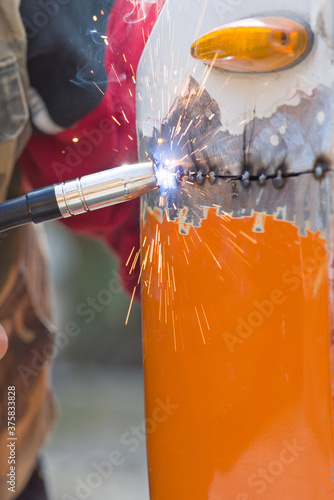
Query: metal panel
x,y
236,268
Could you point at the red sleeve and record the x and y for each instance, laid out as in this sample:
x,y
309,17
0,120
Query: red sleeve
x,y
103,139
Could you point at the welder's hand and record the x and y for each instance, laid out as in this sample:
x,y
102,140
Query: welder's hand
x,y
3,342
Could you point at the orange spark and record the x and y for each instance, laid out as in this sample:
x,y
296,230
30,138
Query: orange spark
x,y
115,120
130,306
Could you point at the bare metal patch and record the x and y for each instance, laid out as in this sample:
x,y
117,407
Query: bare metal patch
x,y
291,139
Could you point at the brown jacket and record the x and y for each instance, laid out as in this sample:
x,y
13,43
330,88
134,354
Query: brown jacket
x,y
24,306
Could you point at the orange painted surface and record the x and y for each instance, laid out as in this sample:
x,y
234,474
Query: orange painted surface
x,y
237,361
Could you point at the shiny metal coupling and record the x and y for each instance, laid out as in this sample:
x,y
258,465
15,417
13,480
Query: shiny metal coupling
x,y
105,188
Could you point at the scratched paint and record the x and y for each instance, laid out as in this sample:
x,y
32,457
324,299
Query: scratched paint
x,y
196,142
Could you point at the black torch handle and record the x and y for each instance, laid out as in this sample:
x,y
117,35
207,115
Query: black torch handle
x,y
39,205
79,196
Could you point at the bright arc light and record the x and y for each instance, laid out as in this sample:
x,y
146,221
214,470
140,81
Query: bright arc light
x,y
165,173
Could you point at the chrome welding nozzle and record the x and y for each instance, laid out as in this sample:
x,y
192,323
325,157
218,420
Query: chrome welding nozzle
x,y
78,196
105,188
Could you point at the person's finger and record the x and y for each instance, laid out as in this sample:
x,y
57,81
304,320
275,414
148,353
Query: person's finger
x,y
3,342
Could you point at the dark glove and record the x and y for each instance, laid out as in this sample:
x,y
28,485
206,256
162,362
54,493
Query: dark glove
x,y
66,55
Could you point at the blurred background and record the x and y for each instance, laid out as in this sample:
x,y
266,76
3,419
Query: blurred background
x,y
97,378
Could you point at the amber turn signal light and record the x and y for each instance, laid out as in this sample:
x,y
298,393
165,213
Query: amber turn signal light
x,y
255,45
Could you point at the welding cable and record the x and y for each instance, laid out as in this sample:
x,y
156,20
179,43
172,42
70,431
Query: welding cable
x,y
79,196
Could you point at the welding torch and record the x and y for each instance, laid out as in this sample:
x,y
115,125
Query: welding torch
x,y
79,196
